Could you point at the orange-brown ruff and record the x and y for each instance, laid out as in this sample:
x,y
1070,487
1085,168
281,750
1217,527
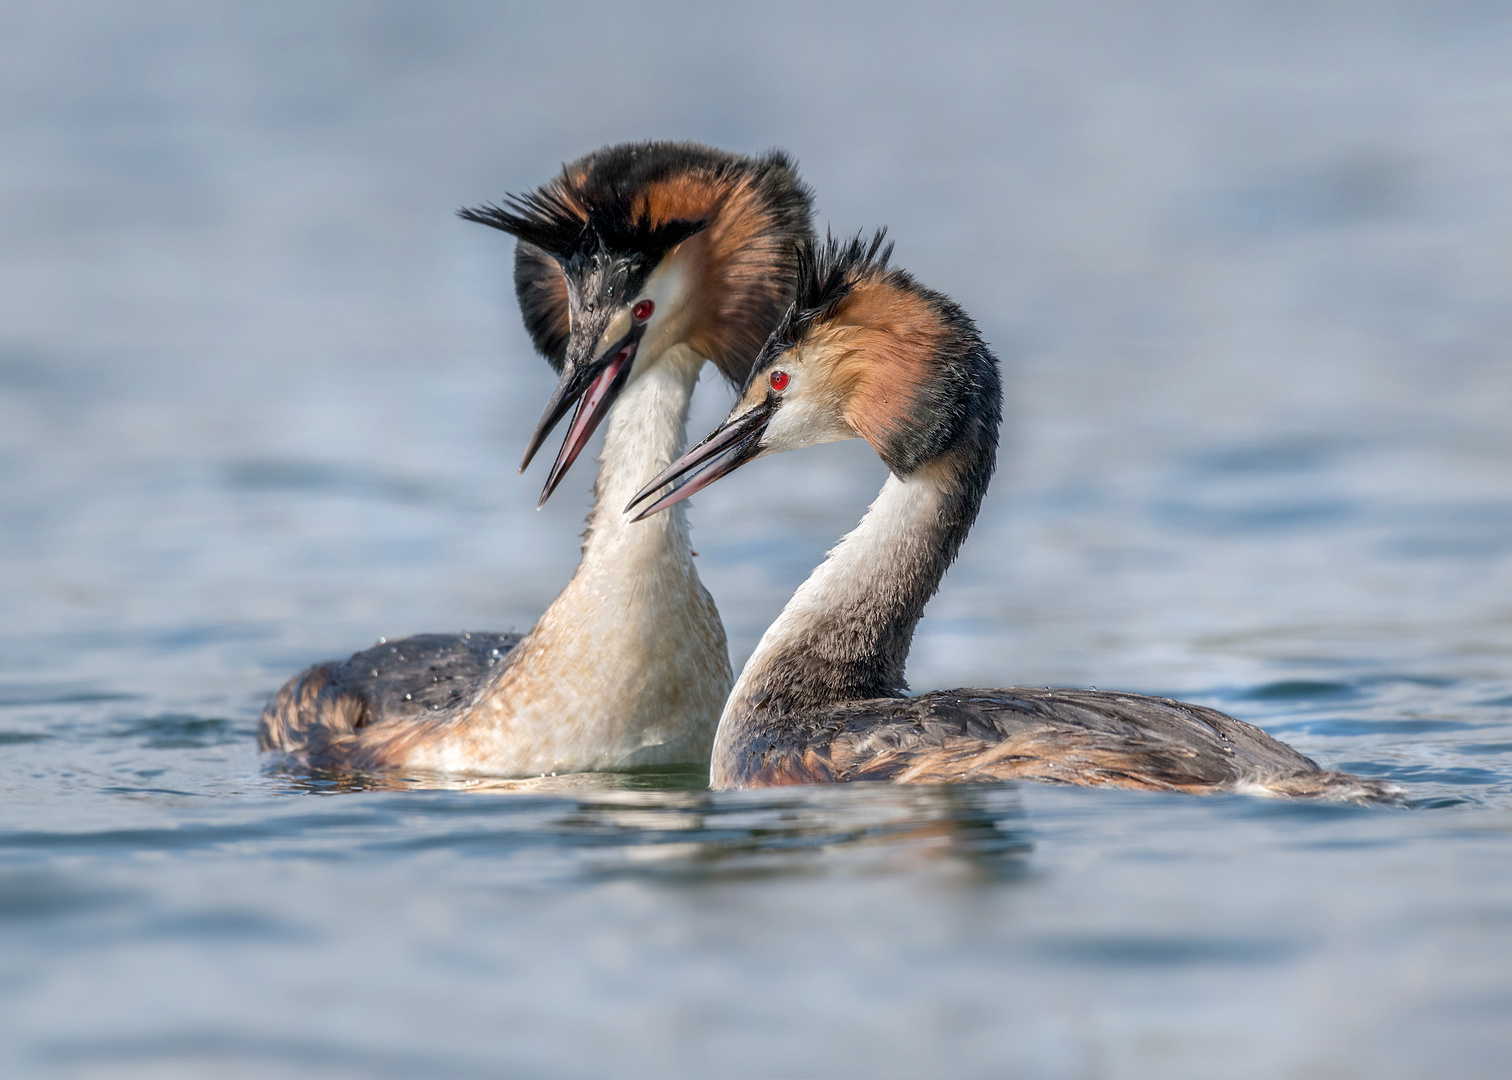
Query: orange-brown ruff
x,y
634,267
867,352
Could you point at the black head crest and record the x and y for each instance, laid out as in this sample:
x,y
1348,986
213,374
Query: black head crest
x,y
828,271
598,203
596,231
568,228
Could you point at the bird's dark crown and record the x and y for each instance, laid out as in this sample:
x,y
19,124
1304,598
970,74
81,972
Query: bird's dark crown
x,y
597,203
828,271
593,223
591,237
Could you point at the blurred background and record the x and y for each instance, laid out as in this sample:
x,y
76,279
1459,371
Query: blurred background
x,y
1248,268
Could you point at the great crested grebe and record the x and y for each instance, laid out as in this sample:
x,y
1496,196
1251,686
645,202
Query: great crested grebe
x,y
866,352
634,266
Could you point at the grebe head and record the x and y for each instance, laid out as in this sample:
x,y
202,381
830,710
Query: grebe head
x,y
864,352
641,247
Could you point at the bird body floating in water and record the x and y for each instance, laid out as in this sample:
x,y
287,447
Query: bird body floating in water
x,y
866,352
634,267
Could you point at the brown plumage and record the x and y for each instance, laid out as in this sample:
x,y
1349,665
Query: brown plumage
x,y
395,684
867,352
631,205
1083,737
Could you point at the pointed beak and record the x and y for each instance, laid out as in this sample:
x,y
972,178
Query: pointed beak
x,y
593,387
727,448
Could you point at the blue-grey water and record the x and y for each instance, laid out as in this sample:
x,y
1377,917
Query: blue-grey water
x,y
261,397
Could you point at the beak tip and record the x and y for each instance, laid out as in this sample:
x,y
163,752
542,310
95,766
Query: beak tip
x,y
552,482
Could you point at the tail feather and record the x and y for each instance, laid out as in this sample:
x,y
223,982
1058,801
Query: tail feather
x,y
309,713
1326,785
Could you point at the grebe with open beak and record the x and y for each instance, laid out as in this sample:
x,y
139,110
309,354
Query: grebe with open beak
x,y
635,266
866,352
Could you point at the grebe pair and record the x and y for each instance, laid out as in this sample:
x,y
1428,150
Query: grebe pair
x,y
631,268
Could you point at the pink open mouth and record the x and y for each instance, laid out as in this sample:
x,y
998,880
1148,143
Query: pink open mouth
x,y
590,411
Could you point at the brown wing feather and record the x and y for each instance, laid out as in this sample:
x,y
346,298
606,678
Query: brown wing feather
x,y
316,713
1057,736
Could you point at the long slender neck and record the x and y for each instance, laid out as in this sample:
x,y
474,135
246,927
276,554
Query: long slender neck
x,y
628,665
647,432
846,632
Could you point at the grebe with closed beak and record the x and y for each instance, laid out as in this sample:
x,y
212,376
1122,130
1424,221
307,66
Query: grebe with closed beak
x,y
633,267
866,352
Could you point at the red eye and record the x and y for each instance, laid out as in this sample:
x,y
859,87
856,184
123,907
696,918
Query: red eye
x,y
779,381
642,311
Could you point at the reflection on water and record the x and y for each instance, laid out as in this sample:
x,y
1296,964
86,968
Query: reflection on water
x,y
665,822
696,837
260,399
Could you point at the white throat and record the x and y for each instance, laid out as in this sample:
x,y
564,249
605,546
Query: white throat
x,y
897,534
647,432
628,666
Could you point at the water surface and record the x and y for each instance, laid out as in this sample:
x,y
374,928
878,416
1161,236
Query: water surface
x,y
261,397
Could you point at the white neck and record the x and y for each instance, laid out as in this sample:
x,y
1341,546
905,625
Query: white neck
x,y
846,631
647,432
628,666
